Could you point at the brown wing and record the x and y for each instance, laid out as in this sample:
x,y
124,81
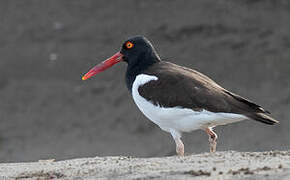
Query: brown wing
x,y
186,88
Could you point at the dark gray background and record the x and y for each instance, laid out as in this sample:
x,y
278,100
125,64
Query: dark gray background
x,y
45,47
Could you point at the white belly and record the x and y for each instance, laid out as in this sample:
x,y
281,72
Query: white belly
x,y
177,118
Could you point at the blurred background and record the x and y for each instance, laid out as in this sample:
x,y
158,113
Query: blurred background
x,y
46,111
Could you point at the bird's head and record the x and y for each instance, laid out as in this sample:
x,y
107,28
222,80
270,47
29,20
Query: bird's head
x,y
136,51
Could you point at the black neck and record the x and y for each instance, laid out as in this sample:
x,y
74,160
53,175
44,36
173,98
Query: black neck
x,y
142,63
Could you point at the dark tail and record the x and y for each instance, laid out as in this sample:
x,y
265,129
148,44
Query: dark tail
x,y
254,111
262,117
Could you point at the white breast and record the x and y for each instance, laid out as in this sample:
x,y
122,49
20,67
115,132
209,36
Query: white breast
x,y
177,118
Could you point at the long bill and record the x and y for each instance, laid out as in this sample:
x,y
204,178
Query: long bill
x,y
116,58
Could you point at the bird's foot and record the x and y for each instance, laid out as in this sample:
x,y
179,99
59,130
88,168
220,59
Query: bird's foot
x,y
212,145
212,138
179,144
179,148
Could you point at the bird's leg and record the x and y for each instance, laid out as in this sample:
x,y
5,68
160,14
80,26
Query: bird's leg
x,y
179,147
179,144
212,137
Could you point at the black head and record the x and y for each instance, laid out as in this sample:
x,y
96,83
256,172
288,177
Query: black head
x,y
139,51
139,54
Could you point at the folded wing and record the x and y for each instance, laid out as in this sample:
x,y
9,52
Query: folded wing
x,y
183,87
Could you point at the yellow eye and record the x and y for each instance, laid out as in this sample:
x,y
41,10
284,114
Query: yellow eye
x,y
129,45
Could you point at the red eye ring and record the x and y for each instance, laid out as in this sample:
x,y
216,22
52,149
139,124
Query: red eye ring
x,y
129,45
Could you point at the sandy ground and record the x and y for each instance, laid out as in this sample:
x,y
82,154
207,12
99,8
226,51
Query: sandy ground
x,y
221,165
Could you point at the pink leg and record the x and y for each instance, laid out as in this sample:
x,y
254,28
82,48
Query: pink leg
x,y
212,137
179,144
179,147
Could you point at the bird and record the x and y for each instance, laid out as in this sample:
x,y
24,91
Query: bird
x,y
176,98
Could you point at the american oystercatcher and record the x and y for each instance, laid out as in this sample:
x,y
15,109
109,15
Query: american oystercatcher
x,y
176,98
